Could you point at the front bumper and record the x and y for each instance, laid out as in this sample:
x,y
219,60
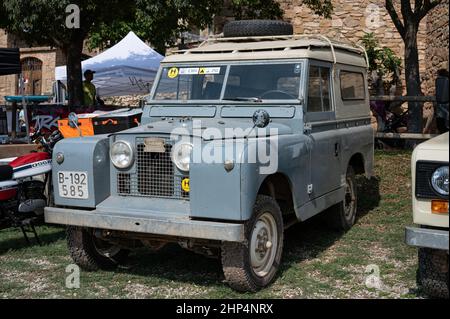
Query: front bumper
x,y
143,222
428,238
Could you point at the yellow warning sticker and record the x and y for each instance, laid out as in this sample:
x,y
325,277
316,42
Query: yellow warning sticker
x,y
213,70
173,73
185,185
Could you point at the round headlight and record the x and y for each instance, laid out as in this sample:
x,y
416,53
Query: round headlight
x,y
121,154
439,180
181,156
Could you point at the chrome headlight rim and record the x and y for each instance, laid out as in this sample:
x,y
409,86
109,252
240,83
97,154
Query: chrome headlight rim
x,y
59,158
439,173
132,152
176,160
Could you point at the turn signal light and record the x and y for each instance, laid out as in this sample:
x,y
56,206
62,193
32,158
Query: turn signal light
x,y
439,207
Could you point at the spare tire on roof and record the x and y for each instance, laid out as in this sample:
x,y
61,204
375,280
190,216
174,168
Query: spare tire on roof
x,y
252,28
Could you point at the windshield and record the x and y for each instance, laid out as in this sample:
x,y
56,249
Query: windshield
x,y
244,82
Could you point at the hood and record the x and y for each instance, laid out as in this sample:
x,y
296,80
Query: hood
x,y
438,143
210,129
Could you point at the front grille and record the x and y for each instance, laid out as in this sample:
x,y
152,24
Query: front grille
x,y
155,175
424,171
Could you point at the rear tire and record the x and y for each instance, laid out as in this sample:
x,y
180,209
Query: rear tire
x,y
91,253
342,216
253,264
432,275
253,28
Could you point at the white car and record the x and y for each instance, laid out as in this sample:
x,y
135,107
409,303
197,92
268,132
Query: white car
x,y
430,210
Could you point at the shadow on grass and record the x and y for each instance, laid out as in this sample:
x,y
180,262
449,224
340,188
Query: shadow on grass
x,y
302,242
307,240
17,241
175,263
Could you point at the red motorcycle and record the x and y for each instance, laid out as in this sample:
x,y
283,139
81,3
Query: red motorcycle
x,y
25,187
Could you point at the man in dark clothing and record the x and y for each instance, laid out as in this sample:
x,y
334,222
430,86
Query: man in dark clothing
x,y
442,87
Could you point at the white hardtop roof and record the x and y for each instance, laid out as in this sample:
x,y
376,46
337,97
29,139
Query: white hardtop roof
x,y
273,47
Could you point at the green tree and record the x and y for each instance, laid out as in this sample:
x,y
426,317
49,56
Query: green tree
x,y
104,22
407,22
44,22
162,21
384,63
158,21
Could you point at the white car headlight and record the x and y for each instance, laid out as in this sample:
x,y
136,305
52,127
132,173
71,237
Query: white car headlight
x,y
439,180
181,156
121,154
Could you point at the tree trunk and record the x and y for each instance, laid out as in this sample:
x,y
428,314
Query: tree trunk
x,y
413,87
74,74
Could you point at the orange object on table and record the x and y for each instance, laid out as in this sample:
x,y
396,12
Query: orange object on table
x,y
85,125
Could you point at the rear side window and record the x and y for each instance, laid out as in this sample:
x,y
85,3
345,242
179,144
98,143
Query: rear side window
x,y
352,85
319,89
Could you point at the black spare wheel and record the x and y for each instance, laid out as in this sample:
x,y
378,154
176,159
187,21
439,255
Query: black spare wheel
x,y
251,28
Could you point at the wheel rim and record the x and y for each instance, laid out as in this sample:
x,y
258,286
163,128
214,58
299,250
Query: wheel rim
x,y
105,249
263,245
350,200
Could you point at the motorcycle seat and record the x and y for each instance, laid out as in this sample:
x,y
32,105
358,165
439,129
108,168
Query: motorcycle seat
x,y
6,172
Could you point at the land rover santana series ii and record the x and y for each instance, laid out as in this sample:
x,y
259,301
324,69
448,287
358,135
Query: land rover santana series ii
x,y
240,138
429,166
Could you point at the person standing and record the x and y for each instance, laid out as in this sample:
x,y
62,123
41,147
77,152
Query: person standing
x,y
89,90
442,87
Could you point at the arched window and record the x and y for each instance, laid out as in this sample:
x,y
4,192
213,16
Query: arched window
x,y
32,73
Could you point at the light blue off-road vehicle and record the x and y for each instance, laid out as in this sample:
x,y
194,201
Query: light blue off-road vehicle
x,y
240,138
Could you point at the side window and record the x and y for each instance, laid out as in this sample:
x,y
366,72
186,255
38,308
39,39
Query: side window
x,y
352,85
319,99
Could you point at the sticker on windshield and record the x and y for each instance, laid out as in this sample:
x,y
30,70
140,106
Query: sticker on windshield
x,y
173,73
189,71
297,68
215,70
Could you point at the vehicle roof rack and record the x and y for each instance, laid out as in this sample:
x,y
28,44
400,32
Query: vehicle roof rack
x,y
348,46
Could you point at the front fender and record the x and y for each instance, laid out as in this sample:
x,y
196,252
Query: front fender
x,y
84,154
291,160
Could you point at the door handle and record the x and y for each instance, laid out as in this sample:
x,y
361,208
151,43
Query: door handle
x,y
336,149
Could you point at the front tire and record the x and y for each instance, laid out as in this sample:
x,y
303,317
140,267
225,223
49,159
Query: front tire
x,y
432,275
92,253
253,264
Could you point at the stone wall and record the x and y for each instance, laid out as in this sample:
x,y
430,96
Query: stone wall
x,y
436,44
350,21
8,83
50,58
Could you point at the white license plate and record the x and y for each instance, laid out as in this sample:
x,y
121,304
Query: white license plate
x,y
73,184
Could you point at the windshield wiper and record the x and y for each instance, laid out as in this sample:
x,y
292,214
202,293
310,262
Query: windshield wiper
x,y
244,99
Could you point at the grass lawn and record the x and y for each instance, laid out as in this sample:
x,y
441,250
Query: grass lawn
x,y
317,263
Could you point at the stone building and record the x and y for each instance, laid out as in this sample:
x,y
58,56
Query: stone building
x,y
436,47
38,65
350,20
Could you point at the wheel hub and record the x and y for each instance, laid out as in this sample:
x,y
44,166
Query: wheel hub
x,y
263,244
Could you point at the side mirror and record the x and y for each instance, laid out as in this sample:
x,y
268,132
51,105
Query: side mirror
x,y
73,122
261,118
442,87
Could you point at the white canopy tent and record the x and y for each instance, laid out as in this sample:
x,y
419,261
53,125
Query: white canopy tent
x,y
127,68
